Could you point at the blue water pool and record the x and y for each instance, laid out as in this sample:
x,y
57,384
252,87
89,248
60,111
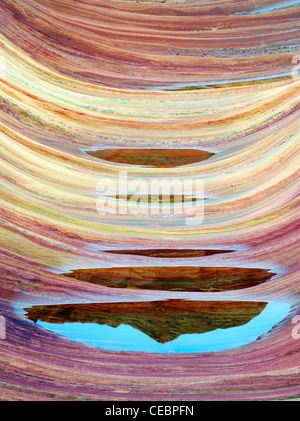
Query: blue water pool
x,y
128,338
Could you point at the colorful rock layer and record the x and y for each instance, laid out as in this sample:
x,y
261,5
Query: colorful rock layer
x,y
77,77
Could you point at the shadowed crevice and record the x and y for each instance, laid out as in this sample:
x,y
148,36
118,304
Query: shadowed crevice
x,y
158,199
159,158
170,253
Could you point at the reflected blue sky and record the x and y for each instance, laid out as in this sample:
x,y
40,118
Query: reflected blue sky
x,y
127,338
272,7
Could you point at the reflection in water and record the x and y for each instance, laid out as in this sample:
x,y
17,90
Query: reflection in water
x,y
161,326
161,158
181,278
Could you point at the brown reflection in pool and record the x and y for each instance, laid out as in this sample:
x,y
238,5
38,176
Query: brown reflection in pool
x,y
173,253
163,321
159,158
177,278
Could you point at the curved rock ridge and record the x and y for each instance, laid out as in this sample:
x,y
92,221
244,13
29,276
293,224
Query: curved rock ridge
x,y
140,45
